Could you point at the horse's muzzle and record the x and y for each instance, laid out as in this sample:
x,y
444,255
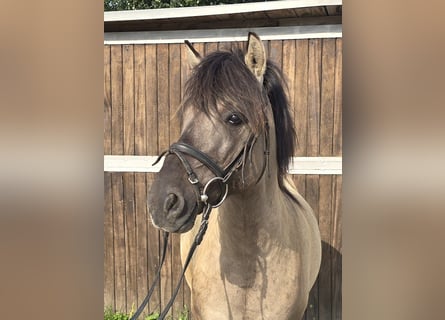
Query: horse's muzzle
x,y
170,210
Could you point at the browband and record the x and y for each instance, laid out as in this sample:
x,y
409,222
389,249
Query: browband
x,y
198,155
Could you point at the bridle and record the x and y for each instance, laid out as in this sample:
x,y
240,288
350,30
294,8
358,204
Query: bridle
x,y
203,203
180,149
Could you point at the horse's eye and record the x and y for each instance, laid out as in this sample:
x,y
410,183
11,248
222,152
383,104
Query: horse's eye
x,y
234,119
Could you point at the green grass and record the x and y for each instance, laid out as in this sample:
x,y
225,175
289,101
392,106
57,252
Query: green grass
x,y
109,314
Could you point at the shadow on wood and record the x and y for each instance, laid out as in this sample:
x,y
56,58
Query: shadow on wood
x,y
325,298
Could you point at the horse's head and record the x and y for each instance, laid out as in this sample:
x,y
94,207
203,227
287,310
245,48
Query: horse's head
x,y
224,113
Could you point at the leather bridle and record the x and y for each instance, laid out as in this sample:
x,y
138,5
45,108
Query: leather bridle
x,y
180,149
203,203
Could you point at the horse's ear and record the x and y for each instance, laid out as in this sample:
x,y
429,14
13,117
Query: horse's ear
x,y
193,56
255,57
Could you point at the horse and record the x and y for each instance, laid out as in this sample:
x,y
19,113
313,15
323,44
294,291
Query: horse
x,y
261,253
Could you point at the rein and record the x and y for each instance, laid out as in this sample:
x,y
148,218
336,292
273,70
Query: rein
x,y
203,203
198,239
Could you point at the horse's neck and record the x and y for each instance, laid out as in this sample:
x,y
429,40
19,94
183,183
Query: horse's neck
x,y
248,231
244,217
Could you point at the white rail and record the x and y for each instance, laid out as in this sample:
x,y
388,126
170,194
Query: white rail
x,y
299,165
224,35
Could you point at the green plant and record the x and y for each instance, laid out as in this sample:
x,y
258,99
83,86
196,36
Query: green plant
x,y
184,314
109,314
152,316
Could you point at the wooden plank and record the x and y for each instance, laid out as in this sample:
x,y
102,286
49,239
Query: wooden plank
x,y
336,235
185,69
108,244
327,196
301,95
128,98
300,183
153,259
117,147
130,240
174,94
109,298
141,236
166,282
151,99
116,101
327,97
337,134
226,46
210,47
336,240
163,90
140,123
311,313
187,295
312,196
325,226
313,103
151,105
300,106
128,178
275,52
178,304
200,47
119,242
140,187
289,64
107,100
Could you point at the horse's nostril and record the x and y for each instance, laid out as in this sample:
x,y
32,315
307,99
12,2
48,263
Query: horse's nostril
x,y
170,202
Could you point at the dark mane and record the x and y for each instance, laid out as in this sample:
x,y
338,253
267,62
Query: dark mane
x,y
223,78
274,85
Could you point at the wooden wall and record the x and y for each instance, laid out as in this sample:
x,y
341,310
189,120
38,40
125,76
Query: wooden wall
x,y
142,89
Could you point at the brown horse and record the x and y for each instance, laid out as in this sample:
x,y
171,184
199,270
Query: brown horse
x,y
262,250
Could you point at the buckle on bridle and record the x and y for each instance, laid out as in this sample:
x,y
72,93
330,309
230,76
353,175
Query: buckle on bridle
x,y
192,178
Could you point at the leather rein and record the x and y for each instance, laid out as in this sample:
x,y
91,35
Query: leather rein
x,y
203,203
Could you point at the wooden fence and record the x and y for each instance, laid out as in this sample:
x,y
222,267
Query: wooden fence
x,y
143,85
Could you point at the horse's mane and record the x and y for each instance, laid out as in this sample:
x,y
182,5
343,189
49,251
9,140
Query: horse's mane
x,y
223,78
274,85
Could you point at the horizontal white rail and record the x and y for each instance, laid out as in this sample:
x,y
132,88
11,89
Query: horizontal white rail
x,y
316,165
224,35
299,165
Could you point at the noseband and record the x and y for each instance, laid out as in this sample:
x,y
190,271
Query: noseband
x,y
180,149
